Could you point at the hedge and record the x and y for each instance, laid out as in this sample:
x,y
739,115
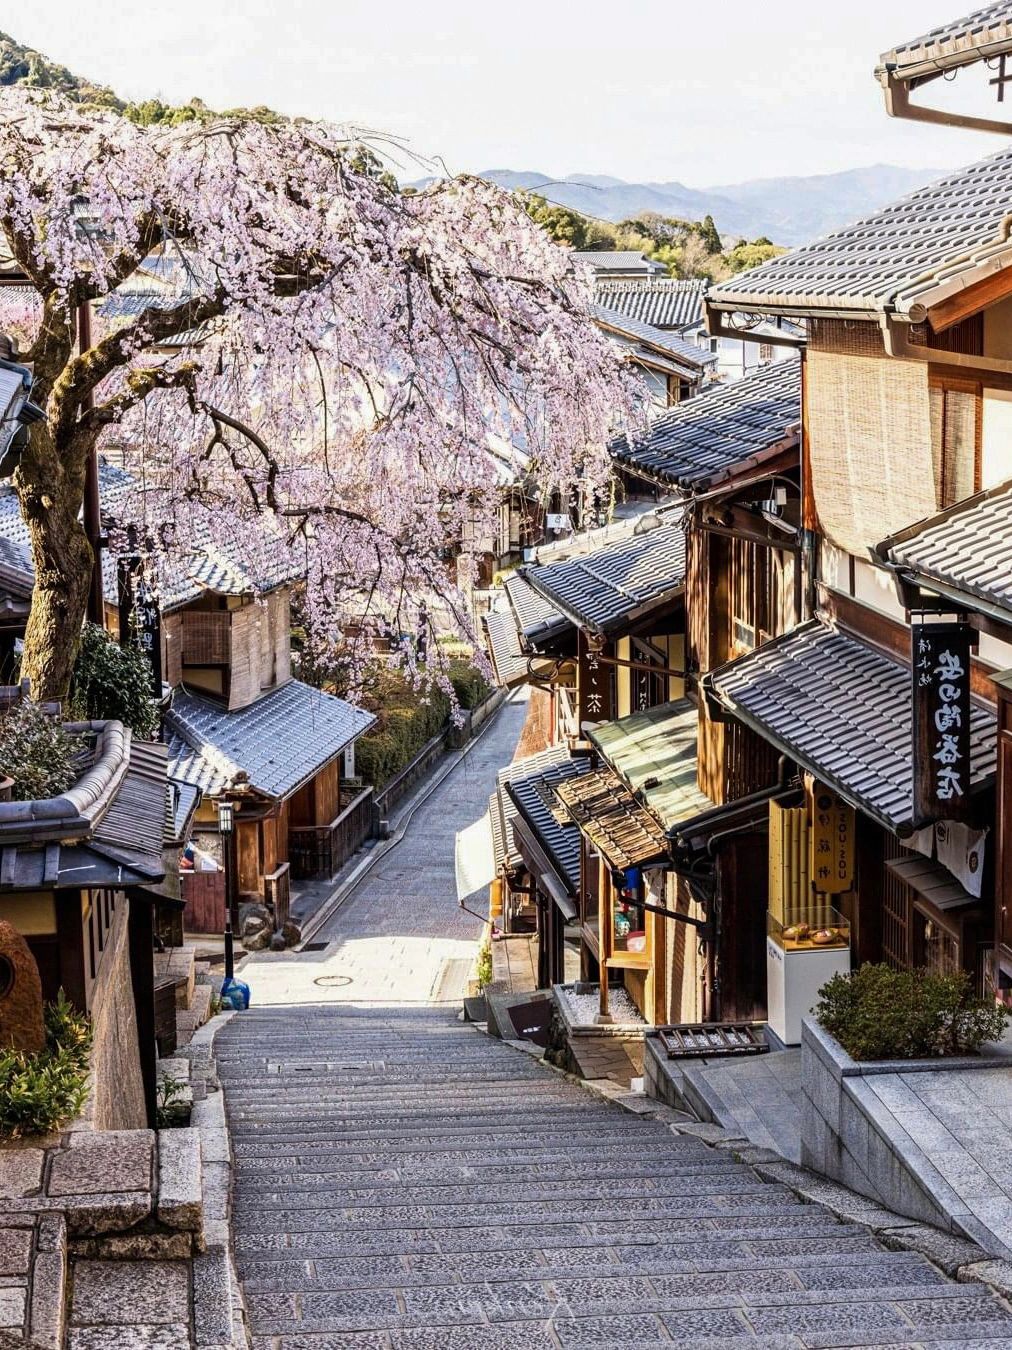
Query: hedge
x,y
408,718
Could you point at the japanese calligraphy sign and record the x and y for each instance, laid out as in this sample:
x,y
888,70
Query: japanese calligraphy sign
x,y
941,720
593,684
139,615
830,840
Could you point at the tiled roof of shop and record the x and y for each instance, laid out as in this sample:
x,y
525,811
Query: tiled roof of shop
x,y
532,796
279,742
984,33
613,820
655,751
843,711
531,766
503,642
891,259
720,432
685,353
537,618
661,302
610,586
967,549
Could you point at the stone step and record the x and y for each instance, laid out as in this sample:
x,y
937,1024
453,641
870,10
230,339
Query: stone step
x,y
177,964
195,1015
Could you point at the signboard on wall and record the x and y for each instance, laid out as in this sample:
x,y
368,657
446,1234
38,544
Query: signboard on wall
x,y
140,620
941,720
593,684
830,840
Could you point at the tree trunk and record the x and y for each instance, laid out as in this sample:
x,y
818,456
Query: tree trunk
x,y
50,487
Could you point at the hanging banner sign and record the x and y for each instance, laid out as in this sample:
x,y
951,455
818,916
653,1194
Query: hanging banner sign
x,y
593,684
830,840
941,720
140,620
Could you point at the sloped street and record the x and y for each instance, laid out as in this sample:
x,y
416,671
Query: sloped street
x,y
405,1183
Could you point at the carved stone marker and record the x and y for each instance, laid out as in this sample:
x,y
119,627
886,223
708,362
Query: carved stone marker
x,y
21,1022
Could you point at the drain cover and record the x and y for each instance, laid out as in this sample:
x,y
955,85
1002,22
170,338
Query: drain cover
x,y
316,946
332,981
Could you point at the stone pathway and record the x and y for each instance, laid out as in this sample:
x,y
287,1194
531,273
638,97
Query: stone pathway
x,y
405,1182
401,937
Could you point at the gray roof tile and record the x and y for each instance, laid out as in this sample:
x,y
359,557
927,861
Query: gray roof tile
x,y
984,33
843,711
530,766
620,260
661,302
718,433
537,618
532,794
966,549
893,258
670,344
610,586
279,742
503,642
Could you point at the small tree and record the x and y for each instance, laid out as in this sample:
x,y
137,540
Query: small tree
x,y
37,753
111,681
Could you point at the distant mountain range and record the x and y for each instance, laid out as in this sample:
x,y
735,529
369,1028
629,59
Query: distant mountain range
x,y
789,211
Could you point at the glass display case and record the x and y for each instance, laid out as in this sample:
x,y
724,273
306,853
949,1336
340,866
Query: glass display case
x,y
820,928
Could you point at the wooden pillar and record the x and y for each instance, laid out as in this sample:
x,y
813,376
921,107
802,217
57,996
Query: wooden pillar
x,y
142,977
604,922
1003,839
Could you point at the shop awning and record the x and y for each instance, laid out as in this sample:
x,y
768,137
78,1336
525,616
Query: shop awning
x,y
474,857
842,710
625,833
502,638
540,809
655,751
932,882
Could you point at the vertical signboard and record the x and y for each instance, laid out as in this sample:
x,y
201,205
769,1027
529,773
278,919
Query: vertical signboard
x,y
593,683
830,840
140,616
941,720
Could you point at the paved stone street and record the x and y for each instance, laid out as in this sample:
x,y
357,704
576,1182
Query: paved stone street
x,y
404,1182
402,937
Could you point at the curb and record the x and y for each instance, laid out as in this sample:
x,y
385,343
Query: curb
x,y
344,888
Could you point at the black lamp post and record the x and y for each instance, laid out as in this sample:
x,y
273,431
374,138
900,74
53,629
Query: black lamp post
x,y
226,827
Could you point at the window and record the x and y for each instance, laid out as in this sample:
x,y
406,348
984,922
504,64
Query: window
x,y
765,353
956,407
629,937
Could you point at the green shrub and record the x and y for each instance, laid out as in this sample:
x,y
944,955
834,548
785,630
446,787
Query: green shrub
x,y
484,966
37,753
876,1012
111,681
38,1093
469,684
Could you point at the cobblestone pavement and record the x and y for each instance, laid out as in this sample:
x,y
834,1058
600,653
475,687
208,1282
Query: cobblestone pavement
x,y
404,1182
401,937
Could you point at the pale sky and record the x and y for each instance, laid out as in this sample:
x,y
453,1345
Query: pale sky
x,y
645,90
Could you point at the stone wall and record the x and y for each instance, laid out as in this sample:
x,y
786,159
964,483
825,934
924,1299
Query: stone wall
x,y
117,1088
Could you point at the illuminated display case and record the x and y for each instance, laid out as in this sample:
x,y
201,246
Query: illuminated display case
x,y
800,957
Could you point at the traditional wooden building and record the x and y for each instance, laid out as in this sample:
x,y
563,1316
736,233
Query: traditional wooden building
x,y
671,367
907,390
81,876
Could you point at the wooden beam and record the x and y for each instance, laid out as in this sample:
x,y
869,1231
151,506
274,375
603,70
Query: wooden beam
x,y
997,286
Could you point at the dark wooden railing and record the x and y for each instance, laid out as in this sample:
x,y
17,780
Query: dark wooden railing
x,y
278,894
322,850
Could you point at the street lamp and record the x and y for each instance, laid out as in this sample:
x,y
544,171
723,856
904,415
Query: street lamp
x,y
234,993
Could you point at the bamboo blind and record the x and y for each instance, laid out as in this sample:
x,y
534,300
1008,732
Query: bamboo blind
x,y
870,443
205,639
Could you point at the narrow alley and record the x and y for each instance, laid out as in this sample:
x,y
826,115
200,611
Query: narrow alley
x,y
405,1183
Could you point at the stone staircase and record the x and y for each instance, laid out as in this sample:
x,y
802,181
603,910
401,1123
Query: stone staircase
x,y
403,1182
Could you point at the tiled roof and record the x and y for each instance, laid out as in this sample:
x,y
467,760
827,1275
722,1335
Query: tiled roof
x,y
279,742
534,798
503,642
843,711
720,432
670,344
209,565
662,302
613,820
531,766
655,751
537,618
984,33
15,384
966,549
917,249
620,260
613,585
